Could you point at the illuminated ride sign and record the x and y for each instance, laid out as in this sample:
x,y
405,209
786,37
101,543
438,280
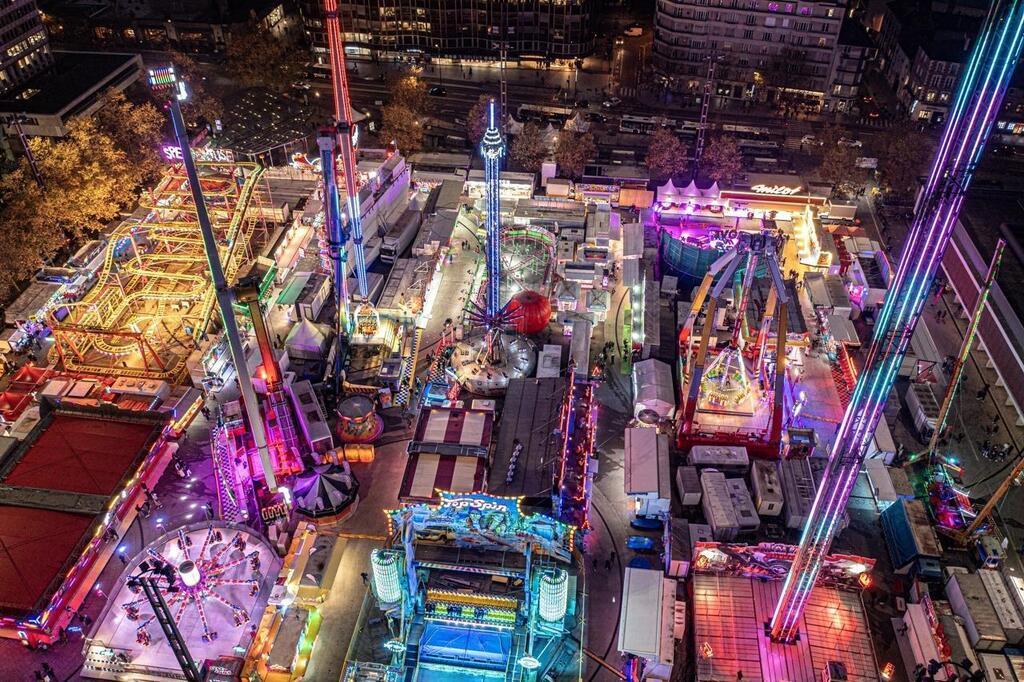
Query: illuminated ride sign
x,y
484,522
773,560
780,190
202,155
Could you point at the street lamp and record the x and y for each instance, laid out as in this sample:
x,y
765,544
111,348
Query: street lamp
x,y
147,580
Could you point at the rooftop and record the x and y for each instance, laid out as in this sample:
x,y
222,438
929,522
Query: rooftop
x,y
73,76
42,534
259,120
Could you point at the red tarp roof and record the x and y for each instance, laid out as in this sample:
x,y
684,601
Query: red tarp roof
x,y
34,545
455,426
80,455
426,473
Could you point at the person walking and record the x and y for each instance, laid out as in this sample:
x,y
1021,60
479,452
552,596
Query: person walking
x,y
365,577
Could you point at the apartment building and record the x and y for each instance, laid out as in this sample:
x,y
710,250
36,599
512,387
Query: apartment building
x,y
763,49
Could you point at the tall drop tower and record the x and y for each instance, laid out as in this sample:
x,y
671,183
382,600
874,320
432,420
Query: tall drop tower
x,y
486,363
338,231
492,148
979,96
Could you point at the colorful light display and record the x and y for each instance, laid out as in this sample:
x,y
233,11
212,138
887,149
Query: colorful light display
x,y
387,584
979,96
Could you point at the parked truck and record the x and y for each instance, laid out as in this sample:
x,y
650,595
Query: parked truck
x,y
969,600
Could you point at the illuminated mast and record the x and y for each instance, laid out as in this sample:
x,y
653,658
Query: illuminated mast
x,y
979,96
164,80
492,148
343,121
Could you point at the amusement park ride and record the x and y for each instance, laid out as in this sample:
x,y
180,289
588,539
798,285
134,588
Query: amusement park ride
x,y
983,85
731,389
340,136
486,363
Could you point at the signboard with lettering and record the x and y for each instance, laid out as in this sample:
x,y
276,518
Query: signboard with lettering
x,y
202,155
780,190
484,522
773,560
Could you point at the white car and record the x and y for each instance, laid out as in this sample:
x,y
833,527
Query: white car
x,y
847,142
809,139
611,103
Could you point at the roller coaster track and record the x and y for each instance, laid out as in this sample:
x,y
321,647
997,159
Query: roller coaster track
x,y
127,309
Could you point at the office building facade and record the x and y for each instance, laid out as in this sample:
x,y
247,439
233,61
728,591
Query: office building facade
x,y
24,45
552,31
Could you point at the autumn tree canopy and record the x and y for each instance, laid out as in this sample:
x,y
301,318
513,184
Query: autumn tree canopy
x,y
529,148
136,129
258,58
666,155
721,159
902,152
401,125
573,152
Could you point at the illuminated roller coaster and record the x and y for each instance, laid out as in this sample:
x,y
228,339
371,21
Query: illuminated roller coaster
x,y
152,300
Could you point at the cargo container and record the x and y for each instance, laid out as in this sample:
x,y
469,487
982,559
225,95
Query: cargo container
x,y
688,485
913,545
679,552
1015,587
718,506
1016,662
726,458
699,532
743,505
969,600
996,666
999,594
798,489
764,482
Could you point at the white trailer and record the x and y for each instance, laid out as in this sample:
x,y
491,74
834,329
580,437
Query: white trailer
x,y
969,600
729,458
882,488
688,485
718,506
999,594
767,489
1014,586
743,505
646,480
646,619
924,408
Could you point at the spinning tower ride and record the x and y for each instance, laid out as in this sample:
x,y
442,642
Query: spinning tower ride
x,y
979,96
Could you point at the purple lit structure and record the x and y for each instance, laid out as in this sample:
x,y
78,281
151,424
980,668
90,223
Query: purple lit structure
x,y
980,94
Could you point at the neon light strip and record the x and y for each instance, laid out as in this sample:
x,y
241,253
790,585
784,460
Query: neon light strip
x,y
964,139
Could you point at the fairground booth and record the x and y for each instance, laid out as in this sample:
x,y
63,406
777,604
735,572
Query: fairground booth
x,y
474,588
70,491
